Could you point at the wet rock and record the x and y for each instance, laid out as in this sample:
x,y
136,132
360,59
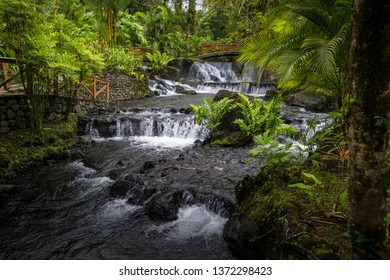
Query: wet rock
x,y
180,157
7,188
138,195
182,90
170,73
193,82
121,163
106,127
77,154
164,206
309,101
132,178
221,94
271,93
188,110
120,188
198,142
215,203
237,232
147,167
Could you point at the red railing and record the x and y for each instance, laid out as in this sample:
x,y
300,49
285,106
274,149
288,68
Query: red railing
x,y
141,51
4,72
217,47
95,91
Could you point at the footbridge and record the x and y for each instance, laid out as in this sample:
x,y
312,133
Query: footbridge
x,y
218,50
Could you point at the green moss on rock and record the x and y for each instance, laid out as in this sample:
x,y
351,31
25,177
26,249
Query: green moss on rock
x,y
23,146
270,222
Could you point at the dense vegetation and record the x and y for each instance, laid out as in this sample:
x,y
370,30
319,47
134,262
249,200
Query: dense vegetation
x,y
310,45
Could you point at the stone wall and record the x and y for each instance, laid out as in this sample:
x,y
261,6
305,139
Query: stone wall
x,y
15,114
123,87
14,109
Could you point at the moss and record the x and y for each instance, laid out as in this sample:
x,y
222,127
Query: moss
x,y
235,139
22,146
282,215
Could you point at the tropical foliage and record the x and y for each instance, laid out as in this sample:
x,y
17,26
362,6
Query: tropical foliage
x,y
260,116
158,60
211,112
306,42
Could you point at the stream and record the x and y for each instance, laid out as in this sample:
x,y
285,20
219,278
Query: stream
x,y
68,210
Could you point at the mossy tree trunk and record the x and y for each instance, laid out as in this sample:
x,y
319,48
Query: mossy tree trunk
x,y
368,117
191,16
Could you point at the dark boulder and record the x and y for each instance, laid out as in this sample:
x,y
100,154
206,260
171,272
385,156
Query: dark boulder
x,y
183,90
237,233
170,73
147,167
271,93
140,194
121,188
308,100
106,127
228,133
132,178
164,206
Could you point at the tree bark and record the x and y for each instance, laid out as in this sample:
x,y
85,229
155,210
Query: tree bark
x,y
368,118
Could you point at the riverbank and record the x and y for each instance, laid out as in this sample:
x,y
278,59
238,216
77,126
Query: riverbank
x,y
23,147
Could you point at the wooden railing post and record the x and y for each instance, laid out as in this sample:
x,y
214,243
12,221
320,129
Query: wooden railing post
x,y
4,69
94,88
94,92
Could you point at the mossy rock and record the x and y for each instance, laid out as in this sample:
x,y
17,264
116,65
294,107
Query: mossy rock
x,y
227,132
233,139
269,225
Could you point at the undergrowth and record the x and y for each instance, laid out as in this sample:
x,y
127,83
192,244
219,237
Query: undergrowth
x,y
23,146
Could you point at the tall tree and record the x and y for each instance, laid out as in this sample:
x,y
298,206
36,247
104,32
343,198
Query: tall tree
x,y
178,4
107,13
368,118
191,16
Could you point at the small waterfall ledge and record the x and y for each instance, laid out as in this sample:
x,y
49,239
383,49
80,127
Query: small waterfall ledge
x,y
156,127
210,77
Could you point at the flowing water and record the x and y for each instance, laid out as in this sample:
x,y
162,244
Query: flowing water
x,y
67,211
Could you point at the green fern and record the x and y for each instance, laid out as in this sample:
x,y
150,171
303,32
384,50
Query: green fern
x,y
211,112
158,60
259,116
273,153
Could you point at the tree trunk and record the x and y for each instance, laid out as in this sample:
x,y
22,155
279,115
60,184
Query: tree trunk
x,y
368,117
191,16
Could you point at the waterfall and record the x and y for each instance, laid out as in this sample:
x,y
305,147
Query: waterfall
x,y
213,72
148,124
214,76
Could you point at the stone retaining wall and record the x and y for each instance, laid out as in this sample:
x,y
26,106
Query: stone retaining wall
x,y
14,109
123,87
15,114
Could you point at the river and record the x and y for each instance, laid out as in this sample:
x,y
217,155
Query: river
x,y
67,210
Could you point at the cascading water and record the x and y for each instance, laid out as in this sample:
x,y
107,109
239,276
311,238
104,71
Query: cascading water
x,y
213,72
210,77
67,210
215,76
157,128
